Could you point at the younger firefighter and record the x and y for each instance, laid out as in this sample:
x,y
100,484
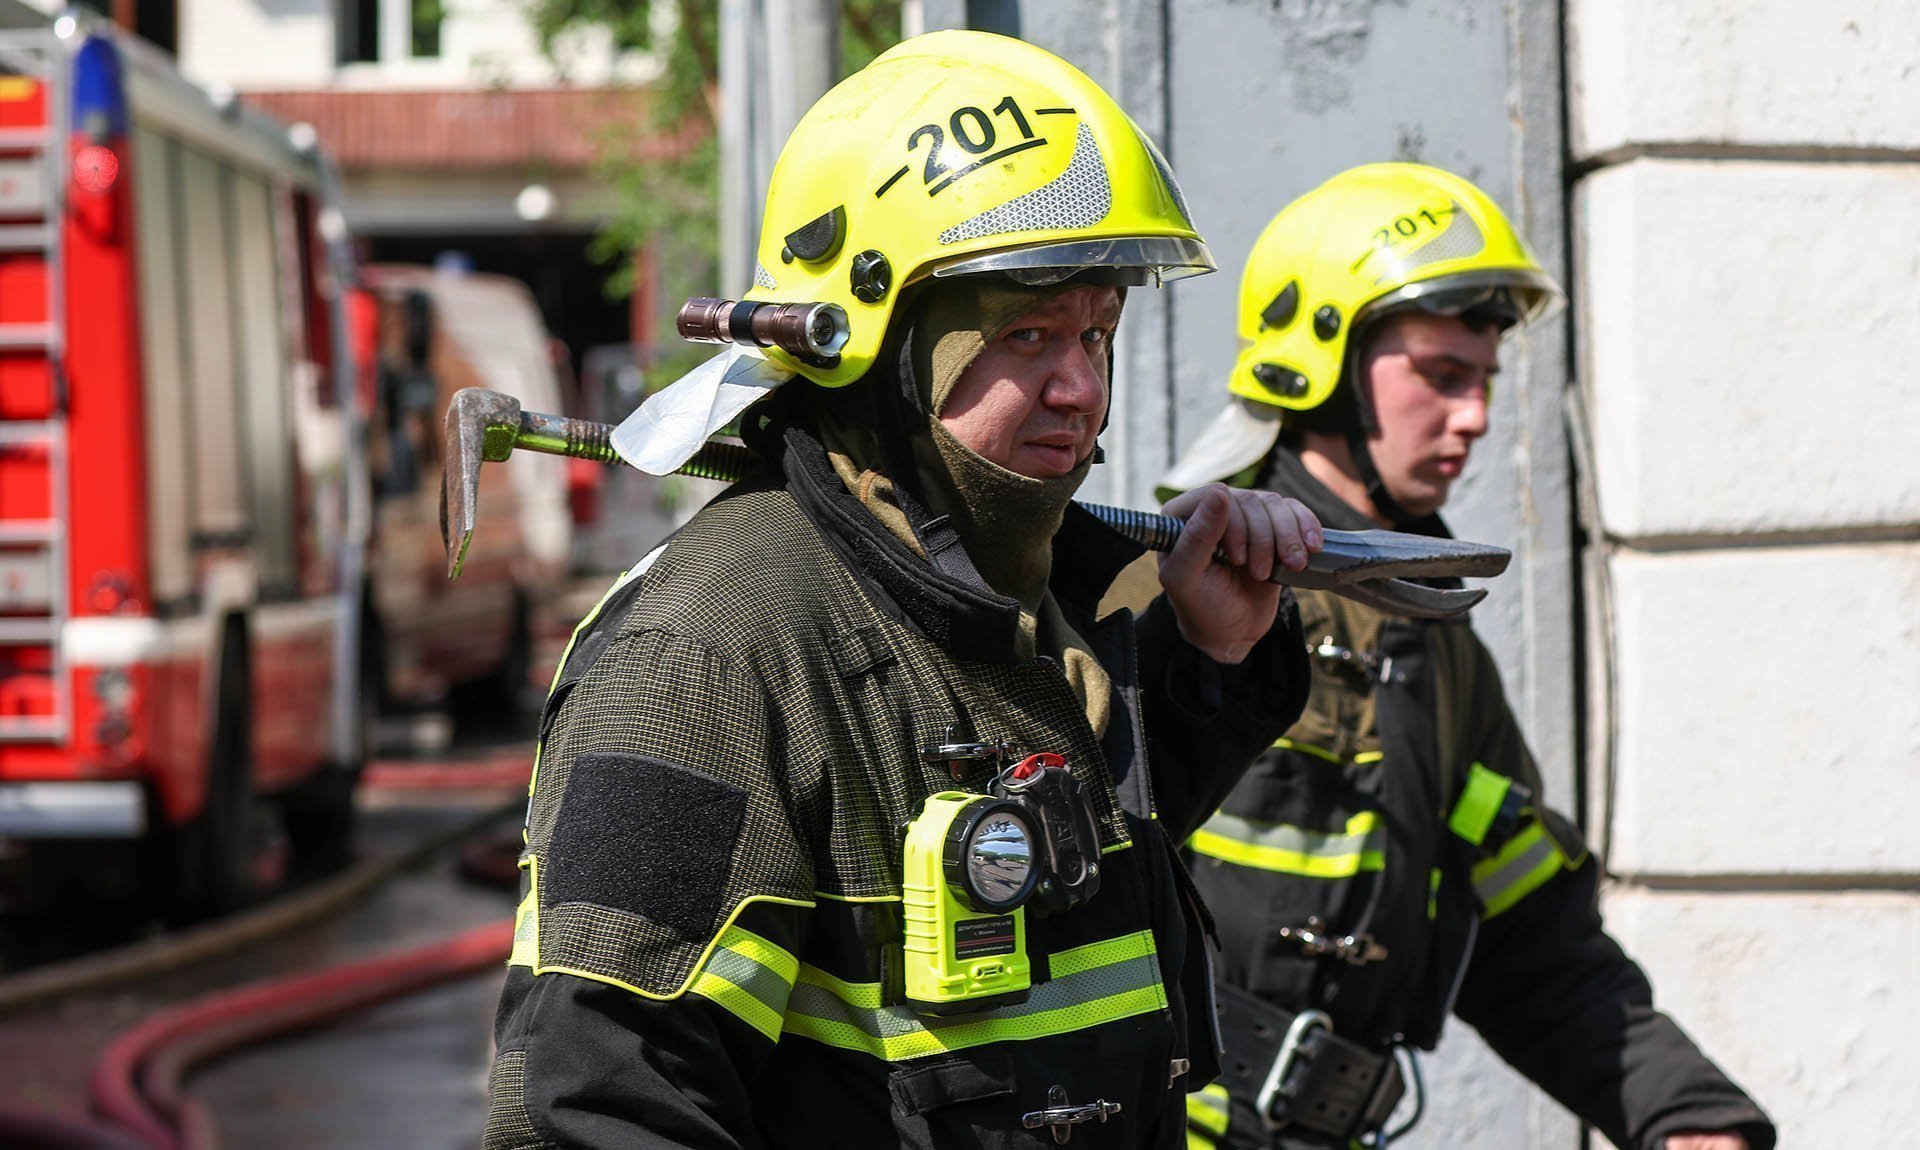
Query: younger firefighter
x,y
1392,859
851,826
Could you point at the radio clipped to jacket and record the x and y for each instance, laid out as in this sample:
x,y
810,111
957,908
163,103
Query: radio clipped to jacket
x,y
974,864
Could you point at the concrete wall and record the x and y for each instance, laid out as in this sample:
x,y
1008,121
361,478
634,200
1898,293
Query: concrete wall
x,y
1257,102
1748,178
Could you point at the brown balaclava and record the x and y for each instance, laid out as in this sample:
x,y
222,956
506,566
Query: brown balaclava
x,y
1006,521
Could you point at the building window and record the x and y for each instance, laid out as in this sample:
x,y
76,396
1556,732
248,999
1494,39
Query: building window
x,y
357,32
372,31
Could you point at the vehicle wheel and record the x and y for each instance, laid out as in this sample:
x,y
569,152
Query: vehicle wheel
x,y
213,855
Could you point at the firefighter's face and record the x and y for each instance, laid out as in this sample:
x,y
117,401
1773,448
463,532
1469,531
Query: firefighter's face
x,y
1429,378
1034,400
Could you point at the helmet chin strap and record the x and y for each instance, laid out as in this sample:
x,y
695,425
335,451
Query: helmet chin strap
x,y
1382,499
1359,428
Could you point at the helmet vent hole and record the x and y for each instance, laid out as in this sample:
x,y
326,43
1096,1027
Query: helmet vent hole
x,y
1280,381
1284,307
817,239
1326,322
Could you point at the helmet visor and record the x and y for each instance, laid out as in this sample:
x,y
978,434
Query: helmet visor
x,y
1511,296
1130,261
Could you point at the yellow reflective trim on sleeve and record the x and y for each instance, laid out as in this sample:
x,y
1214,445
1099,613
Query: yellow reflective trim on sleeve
x,y
1090,985
1294,850
1479,804
1522,867
1307,749
1365,758
1433,894
526,933
750,978
1208,1111
727,929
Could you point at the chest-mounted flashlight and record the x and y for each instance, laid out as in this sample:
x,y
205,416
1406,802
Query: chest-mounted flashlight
x,y
973,864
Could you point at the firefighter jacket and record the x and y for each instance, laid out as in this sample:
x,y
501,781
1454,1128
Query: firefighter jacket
x,y
1404,810
708,953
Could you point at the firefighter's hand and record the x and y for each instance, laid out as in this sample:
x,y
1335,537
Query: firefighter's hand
x,y
1720,1140
1224,608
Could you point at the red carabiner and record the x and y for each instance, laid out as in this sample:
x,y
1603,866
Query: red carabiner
x,y
1035,763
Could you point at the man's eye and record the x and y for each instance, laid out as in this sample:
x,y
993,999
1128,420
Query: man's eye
x,y
1450,382
1026,335
1097,335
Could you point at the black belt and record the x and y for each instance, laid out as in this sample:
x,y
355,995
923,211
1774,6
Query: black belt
x,y
1300,1074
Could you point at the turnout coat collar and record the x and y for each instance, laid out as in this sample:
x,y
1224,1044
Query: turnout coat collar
x,y
971,622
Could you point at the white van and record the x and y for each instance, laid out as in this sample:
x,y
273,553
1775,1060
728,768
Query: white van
x,y
435,332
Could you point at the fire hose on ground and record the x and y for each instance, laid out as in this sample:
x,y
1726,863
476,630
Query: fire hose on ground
x,y
137,1084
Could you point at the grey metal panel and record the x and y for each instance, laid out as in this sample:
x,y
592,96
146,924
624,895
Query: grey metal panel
x,y
1257,102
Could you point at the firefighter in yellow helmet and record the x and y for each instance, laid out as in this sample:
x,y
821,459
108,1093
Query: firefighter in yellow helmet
x,y
852,825
1392,860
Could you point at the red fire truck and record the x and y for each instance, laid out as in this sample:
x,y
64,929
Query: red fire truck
x,y
182,501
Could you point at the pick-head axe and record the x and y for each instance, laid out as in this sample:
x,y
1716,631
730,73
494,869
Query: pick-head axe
x,y
1373,567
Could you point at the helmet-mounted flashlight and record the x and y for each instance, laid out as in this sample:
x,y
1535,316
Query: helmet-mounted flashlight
x,y
811,331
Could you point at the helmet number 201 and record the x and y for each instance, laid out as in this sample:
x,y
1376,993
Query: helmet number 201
x,y
1403,228
972,130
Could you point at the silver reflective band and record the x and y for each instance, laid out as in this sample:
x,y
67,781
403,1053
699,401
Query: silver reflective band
x,y
1150,257
98,810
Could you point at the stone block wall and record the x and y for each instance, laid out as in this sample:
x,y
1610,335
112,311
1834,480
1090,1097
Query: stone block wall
x,y
1745,183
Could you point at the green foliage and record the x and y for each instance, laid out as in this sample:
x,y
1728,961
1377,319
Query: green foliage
x,y
867,28
673,204
426,17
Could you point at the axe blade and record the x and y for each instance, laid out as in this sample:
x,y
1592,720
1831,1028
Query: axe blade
x,y
481,426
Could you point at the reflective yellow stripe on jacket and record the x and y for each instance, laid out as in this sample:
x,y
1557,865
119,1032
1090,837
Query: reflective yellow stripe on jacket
x,y
1521,867
750,978
1294,850
1207,1117
1090,985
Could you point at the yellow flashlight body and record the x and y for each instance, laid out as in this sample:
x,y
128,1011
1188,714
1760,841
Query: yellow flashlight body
x,y
957,959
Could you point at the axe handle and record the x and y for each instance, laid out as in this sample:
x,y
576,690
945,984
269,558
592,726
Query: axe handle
x,y
1365,565
727,462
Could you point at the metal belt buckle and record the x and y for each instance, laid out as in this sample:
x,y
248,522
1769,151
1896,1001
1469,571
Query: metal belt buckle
x,y
1274,1088
1062,1117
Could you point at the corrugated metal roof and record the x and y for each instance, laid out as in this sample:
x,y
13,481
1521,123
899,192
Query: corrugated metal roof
x,y
468,129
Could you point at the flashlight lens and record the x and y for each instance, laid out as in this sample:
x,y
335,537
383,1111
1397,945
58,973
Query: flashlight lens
x,y
1000,858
